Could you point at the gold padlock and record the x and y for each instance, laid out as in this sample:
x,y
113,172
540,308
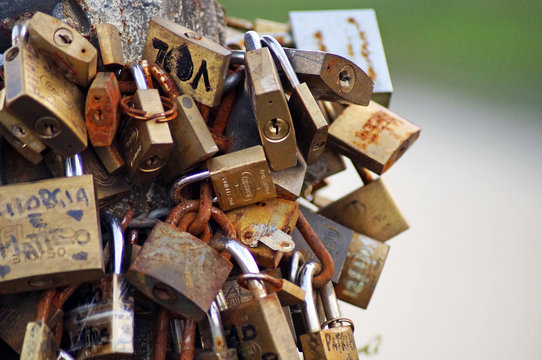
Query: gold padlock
x,y
39,343
270,107
198,65
74,54
102,111
372,135
110,45
29,154
111,157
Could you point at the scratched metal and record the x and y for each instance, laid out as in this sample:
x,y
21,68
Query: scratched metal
x,y
335,343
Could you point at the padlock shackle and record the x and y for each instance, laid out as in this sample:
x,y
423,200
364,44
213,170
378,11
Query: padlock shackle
x,y
278,52
63,355
244,259
73,166
215,325
298,259
329,301
252,40
178,185
305,275
117,239
19,31
237,57
243,279
138,74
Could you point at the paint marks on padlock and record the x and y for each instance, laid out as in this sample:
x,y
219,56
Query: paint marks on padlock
x,y
76,214
4,270
83,256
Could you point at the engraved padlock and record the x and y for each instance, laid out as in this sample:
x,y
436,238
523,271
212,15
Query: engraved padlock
x,y
147,144
50,235
110,46
273,117
102,110
257,329
214,346
197,64
310,125
74,54
40,96
104,327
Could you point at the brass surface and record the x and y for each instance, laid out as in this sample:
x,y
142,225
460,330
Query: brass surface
x,y
22,148
102,111
336,343
110,45
289,182
110,157
38,343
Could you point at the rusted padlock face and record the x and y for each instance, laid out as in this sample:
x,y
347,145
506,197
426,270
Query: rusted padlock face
x,y
369,210
361,270
168,252
39,343
49,234
102,111
77,57
103,328
197,65
334,343
372,135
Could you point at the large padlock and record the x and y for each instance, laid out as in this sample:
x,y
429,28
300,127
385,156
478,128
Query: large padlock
x,y
74,54
198,65
214,345
273,117
258,328
104,327
309,122
372,135
50,235
39,95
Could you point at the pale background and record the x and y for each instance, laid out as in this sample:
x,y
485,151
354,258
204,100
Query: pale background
x,y
465,281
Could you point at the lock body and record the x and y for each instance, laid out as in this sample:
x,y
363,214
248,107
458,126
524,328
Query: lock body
x,y
75,55
22,148
197,65
372,135
111,157
110,45
39,343
333,343
102,111
49,234
241,178
44,100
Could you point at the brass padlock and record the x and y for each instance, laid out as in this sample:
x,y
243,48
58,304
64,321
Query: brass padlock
x,y
328,164
102,111
269,104
42,98
198,65
111,157
110,45
331,77
239,178
74,54
22,148
104,327
147,144
257,329
309,122
193,140
213,338
49,233
361,270
372,135
369,210
38,343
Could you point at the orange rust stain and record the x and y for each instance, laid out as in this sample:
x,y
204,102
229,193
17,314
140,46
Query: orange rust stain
x,y
364,48
350,49
320,38
371,130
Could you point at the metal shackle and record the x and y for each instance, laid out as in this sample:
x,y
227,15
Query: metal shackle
x,y
73,166
304,279
117,239
139,75
329,300
215,325
19,31
252,40
278,52
298,259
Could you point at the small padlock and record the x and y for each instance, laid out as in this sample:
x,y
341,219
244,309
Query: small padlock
x,y
239,178
372,135
198,65
74,54
49,233
213,338
38,343
102,110
42,98
309,122
273,117
110,46
258,329
369,210
104,328
111,157
147,144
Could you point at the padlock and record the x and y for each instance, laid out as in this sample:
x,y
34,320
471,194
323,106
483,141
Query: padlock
x,y
102,111
49,233
309,122
372,135
275,125
74,54
197,64
147,144
239,178
104,327
331,77
369,210
266,228
110,45
38,95
22,148
257,329
288,293
213,338
193,140
328,164
39,343
111,157
335,237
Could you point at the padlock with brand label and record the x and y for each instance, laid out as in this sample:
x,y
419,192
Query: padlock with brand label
x,y
33,82
273,117
110,46
74,54
102,111
49,233
213,338
198,65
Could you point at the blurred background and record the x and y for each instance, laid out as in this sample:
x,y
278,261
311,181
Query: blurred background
x,y
465,280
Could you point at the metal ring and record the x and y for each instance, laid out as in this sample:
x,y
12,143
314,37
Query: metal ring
x,y
171,113
341,320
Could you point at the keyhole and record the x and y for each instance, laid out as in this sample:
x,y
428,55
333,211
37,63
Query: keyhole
x,y
63,37
152,163
275,126
47,127
276,129
347,79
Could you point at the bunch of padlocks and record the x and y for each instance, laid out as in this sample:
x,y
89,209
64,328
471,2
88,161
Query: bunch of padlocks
x,y
226,264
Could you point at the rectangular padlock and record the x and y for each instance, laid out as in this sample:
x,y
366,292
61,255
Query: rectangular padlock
x,y
49,234
328,164
111,157
102,110
372,135
110,45
38,343
29,154
197,64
